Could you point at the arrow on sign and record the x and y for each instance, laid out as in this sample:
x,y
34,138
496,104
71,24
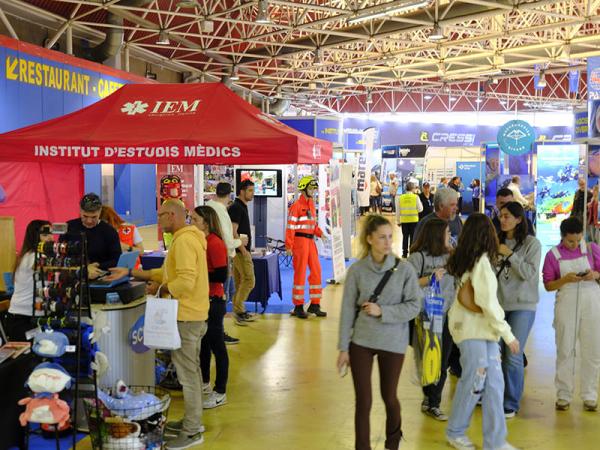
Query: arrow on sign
x,y
10,68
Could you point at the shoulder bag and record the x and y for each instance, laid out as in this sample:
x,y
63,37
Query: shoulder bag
x,y
379,288
466,297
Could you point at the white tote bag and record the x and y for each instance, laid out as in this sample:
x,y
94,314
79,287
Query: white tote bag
x,y
160,324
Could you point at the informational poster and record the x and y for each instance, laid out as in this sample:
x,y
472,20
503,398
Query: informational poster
x,y
214,175
468,171
337,237
492,172
175,181
363,170
558,171
324,213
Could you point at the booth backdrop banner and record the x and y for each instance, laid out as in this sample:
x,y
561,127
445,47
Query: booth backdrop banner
x,y
196,123
558,171
593,78
594,118
437,134
39,191
593,161
468,171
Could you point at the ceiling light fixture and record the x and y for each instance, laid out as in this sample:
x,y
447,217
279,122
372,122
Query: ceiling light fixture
x,y
163,38
565,53
437,33
478,100
350,81
318,59
452,99
233,76
441,69
312,85
263,12
186,3
207,26
498,59
427,97
542,83
369,99
377,13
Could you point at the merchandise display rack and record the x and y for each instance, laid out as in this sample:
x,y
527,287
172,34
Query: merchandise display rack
x,y
61,297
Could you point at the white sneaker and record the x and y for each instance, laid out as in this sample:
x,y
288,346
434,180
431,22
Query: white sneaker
x,y
507,446
206,389
461,443
213,400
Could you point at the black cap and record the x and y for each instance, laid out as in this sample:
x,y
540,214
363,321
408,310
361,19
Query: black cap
x,y
90,202
223,189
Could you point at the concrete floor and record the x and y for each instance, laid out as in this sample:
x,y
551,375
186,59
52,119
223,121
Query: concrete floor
x,y
284,393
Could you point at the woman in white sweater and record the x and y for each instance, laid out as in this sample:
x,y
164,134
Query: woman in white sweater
x,y
476,323
21,309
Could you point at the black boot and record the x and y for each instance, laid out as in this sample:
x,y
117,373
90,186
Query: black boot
x,y
299,312
316,310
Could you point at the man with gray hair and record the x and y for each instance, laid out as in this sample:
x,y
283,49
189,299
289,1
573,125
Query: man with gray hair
x,y
445,204
409,207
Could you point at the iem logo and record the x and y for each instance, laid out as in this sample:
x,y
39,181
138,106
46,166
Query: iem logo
x,y
166,107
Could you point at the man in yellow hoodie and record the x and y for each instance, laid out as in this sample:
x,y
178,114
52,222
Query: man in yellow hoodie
x,y
184,276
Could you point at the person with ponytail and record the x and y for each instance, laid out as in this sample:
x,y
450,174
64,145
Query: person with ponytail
x,y
377,325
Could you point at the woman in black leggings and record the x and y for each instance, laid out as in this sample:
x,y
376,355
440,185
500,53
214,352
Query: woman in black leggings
x,y
206,220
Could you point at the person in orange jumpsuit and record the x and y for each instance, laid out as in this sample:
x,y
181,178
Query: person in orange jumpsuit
x,y
300,237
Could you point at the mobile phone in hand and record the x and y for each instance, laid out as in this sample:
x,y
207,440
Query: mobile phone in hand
x,y
343,370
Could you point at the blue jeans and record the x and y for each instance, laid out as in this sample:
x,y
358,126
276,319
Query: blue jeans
x,y
512,365
481,377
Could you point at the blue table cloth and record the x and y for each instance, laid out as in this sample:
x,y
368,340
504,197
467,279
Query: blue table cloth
x,y
268,279
266,272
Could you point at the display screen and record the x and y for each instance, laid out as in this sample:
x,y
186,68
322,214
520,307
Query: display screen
x,y
267,183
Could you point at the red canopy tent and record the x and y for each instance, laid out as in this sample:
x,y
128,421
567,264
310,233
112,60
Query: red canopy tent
x,y
165,123
140,124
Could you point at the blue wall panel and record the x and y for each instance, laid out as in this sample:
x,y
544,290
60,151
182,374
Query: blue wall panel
x,y
92,178
135,193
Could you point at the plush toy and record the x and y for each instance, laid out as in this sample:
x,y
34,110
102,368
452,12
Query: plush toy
x,y
48,377
133,406
45,409
50,344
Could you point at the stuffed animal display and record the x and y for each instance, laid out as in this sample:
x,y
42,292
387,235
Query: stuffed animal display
x,y
132,406
48,377
44,409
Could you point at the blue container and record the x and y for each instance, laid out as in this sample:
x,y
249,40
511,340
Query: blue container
x,y
112,298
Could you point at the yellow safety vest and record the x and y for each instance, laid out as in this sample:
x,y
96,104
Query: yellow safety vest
x,y
408,208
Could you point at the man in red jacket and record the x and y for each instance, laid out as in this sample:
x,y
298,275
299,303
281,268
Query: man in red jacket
x,y
300,243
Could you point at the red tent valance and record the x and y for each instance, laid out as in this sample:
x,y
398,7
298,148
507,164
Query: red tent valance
x,y
165,123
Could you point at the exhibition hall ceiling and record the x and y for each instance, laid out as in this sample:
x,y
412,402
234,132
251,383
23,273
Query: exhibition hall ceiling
x,y
356,55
